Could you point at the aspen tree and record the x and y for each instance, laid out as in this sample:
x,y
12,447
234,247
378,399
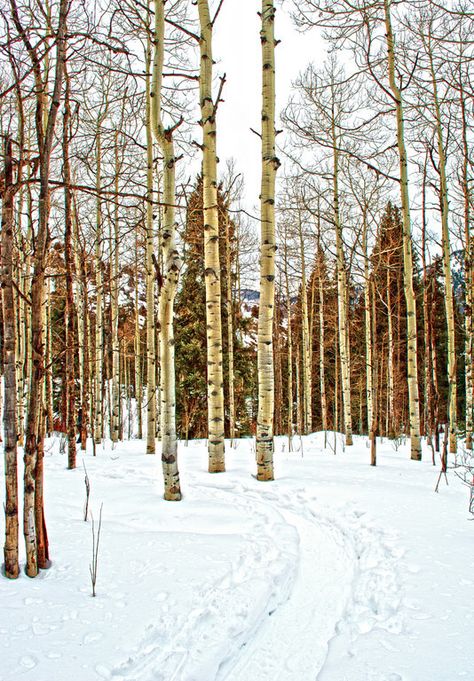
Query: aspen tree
x,y
277,343
215,379
373,370
444,209
149,250
270,163
330,103
114,299
367,323
171,267
48,378
342,296
69,262
22,312
427,321
33,514
230,327
99,321
390,360
468,267
290,346
137,351
305,338
28,359
78,301
320,271
355,25
311,325
10,551
84,326
299,412
414,402
337,358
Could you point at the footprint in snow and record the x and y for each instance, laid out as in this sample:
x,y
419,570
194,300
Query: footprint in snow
x,y
28,661
40,629
22,627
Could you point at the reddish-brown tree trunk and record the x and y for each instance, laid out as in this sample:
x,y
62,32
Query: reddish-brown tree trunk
x,y
10,551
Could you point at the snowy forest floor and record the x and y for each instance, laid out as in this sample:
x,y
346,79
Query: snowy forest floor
x,y
337,571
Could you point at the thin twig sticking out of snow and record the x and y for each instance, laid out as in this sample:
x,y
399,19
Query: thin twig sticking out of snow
x,y
88,491
95,549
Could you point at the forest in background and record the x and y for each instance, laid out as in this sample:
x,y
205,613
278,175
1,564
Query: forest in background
x,y
130,302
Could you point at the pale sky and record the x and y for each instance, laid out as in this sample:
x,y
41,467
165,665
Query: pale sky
x,y
237,52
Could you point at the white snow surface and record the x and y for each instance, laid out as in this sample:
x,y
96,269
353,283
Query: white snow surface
x,y
336,571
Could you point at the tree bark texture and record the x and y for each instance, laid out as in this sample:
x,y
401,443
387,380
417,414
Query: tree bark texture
x,y
10,551
448,283
270,164
413,396
149,268
215,379
69,307
171,267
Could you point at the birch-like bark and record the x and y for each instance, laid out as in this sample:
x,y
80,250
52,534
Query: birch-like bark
x,y
83,333
342,298
277,363
468,272
33,501
230,330
368,325
171,267
10,551
22,311
305,337
427,328
290,422
69,307
78,302
114,302
149,249
27,291
322,377
373,369
48,379
99,320
270,163
413,396
299,412
448,283
215,379
137,351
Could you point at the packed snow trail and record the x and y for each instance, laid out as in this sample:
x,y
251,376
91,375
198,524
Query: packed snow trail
x,y
336,571
347,582
291,645
338,577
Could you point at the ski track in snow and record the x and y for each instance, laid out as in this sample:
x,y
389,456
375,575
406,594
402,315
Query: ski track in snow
x,y
252,627
299,579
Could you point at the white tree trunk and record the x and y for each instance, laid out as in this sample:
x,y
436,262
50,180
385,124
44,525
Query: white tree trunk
x,y
270,163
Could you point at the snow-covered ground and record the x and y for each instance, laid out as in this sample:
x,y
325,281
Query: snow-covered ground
x,y
336,571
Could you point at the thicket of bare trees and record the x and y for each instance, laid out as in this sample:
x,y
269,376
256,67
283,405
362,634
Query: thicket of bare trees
x,y
125,304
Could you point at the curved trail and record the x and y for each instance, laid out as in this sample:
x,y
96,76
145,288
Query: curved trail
x,y
307,576
292,644
346,584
